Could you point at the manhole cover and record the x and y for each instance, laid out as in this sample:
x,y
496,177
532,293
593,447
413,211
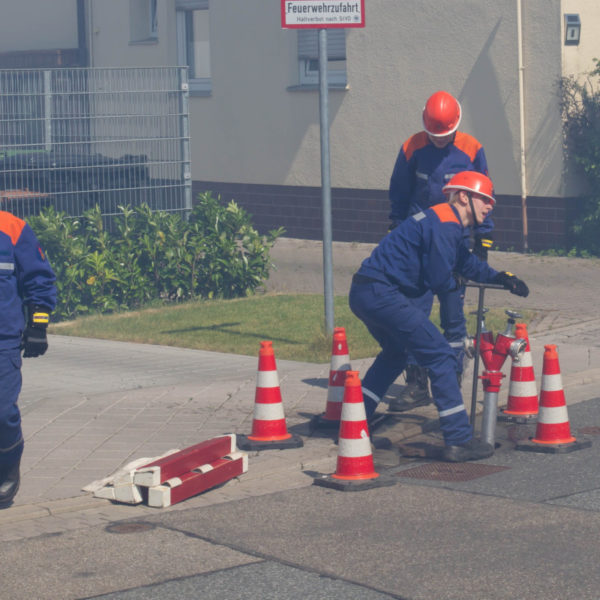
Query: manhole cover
x,y
136,527
589,430
450,471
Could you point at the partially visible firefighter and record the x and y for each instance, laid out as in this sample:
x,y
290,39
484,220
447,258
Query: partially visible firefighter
x,y
27,297
425,164
426,253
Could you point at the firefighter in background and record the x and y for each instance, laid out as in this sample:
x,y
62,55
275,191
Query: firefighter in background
x,y
425,163
425,253
26,286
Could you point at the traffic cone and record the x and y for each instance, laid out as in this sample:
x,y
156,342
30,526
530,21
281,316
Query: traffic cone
x,y
355,469
522,406
340,365
553,432
269,430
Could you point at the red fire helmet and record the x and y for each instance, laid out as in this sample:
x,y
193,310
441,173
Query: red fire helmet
x,y
441,114
471,181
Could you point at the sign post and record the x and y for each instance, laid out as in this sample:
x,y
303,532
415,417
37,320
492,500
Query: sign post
x,y
323,15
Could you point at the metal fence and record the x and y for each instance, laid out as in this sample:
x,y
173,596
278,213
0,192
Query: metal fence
x,y
74,138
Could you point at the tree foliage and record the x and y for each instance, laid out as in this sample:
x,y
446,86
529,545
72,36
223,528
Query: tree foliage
x,y
580,107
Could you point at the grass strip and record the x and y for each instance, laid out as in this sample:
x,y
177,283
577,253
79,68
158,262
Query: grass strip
x,y
294,323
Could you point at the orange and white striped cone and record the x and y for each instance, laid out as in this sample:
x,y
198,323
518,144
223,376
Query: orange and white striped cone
x,y
269,430
340,365
553,432
522,405
355,467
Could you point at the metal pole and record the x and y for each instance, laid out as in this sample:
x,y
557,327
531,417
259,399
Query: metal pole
x,y
47,111
185,140
325,183
522,128
488,419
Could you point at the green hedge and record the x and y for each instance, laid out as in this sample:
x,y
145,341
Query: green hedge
x,y
149,255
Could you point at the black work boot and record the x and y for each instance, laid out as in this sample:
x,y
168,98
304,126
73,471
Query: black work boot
x,y
474,449
416,391
10,479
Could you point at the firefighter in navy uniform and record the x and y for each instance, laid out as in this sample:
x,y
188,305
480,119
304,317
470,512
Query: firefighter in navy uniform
x,y
425,163
27,297
422,255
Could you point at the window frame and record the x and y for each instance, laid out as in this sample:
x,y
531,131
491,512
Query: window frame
x,y
143,25
308,58
198,86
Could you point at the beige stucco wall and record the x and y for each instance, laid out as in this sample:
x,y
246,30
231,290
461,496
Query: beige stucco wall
x,y
578,60
38,25
252,129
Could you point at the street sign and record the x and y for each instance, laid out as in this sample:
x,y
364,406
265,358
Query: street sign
x,y
322,14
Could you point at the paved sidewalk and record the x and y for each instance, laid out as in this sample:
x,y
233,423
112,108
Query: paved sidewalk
x,y
91,406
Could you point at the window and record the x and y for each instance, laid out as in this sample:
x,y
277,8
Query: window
x,y
308,57
143,21
193,43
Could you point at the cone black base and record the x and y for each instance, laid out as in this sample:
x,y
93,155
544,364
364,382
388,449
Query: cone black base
x,y
553,448
353,485
320,422
244,443
520,419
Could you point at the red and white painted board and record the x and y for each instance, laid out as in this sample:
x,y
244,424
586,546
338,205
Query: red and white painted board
x,y
185,460
198,480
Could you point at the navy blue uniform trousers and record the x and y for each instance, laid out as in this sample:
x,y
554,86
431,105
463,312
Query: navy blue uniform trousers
x,y
11,437
400,327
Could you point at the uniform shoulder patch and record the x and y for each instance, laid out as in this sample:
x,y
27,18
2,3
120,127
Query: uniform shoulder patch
x,y
468,144
414,143
445,213
419,216
11,226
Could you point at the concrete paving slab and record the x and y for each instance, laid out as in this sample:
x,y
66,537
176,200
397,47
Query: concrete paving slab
x,y
265,580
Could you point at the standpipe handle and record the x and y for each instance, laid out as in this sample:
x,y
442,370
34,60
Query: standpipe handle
x,y
489,286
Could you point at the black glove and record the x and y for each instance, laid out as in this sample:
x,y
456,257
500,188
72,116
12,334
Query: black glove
x,y
35,342
511,283
481,246
461,281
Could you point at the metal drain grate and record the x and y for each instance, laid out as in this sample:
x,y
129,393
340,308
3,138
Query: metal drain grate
x,y
130,527
589,430
450,471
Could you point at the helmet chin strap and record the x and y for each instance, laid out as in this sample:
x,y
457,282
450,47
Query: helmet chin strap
x,y
475,221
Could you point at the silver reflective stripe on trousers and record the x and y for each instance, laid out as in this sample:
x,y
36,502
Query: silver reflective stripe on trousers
x,y
452,411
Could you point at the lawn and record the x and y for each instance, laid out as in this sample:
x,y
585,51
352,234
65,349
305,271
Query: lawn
x,y
294,323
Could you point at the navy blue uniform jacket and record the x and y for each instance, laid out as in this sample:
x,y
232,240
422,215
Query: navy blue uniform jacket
x,y
422,253
422,170
25,278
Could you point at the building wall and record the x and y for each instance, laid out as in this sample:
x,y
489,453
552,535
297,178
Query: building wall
x,y
578,60
253,129
259,131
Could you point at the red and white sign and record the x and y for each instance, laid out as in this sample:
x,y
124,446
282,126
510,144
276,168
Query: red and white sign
x,y
322,14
